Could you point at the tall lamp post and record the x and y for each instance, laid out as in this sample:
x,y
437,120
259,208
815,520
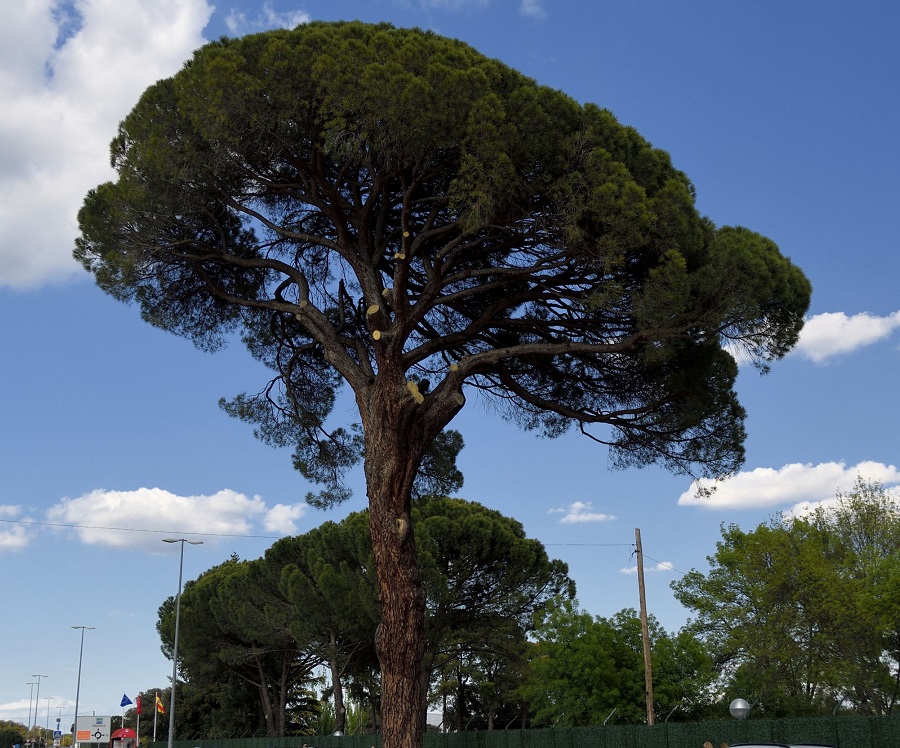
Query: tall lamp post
x,y
48,699
30,702
177,622
37,699
78,684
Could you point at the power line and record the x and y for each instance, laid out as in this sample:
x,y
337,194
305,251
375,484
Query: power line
x,y
666,564
278,537
590,545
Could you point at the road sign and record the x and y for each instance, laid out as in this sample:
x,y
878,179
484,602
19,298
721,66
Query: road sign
x,y
92,729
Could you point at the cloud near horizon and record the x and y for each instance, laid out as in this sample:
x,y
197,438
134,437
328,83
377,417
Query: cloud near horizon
x,y
790,486
139,518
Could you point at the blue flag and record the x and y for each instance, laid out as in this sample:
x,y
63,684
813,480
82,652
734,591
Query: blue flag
x,y
125,701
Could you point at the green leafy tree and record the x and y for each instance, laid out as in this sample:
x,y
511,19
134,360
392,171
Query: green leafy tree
x,y
484,581
388,209
480,689
799,611
11,733
760,610
236,623
574,676
584,669
864,529
328,579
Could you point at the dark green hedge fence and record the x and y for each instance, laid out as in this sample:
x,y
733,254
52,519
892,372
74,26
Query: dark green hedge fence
x,y
842,732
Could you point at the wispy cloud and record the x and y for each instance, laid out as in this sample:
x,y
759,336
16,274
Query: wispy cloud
x,y
239,23
533,9
658,567
581,511
834,333
792,484
453,5
529,8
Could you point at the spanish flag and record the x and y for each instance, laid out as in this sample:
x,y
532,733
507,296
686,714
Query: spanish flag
x,y
159,705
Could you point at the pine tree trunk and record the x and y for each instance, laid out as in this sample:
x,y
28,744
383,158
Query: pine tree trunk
x,y
265,701
394,448
337,687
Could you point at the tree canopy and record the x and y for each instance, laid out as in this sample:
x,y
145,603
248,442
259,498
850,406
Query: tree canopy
x,y
585,669
262,626
802,612
389,209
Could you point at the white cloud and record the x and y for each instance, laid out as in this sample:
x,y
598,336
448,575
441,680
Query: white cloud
x,y
791,484
110,517
529,8
580,511
239,23
454,5
533,9
17,710
660,566
64,88
805,508
280,518
833,333
13,538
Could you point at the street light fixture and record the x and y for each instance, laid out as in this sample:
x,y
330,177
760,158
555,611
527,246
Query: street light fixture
x,y
739,708
177,622
78,685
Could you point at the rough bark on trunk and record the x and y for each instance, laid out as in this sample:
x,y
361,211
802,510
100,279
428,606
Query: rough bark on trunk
x,y
265,701
395,444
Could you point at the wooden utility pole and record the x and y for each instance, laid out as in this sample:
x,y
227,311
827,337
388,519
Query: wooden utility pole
x,y
645,631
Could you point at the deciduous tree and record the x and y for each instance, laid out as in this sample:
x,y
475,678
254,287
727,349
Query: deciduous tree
x,y
391,210
800,613
585,668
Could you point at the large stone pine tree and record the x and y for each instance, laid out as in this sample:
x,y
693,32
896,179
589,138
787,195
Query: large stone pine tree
x,y
390,210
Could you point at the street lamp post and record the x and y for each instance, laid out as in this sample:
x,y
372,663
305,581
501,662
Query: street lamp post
x,y
30,702
48,699
78,684
37,698
177,622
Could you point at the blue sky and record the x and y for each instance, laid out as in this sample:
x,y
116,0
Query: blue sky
x,y
784,115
